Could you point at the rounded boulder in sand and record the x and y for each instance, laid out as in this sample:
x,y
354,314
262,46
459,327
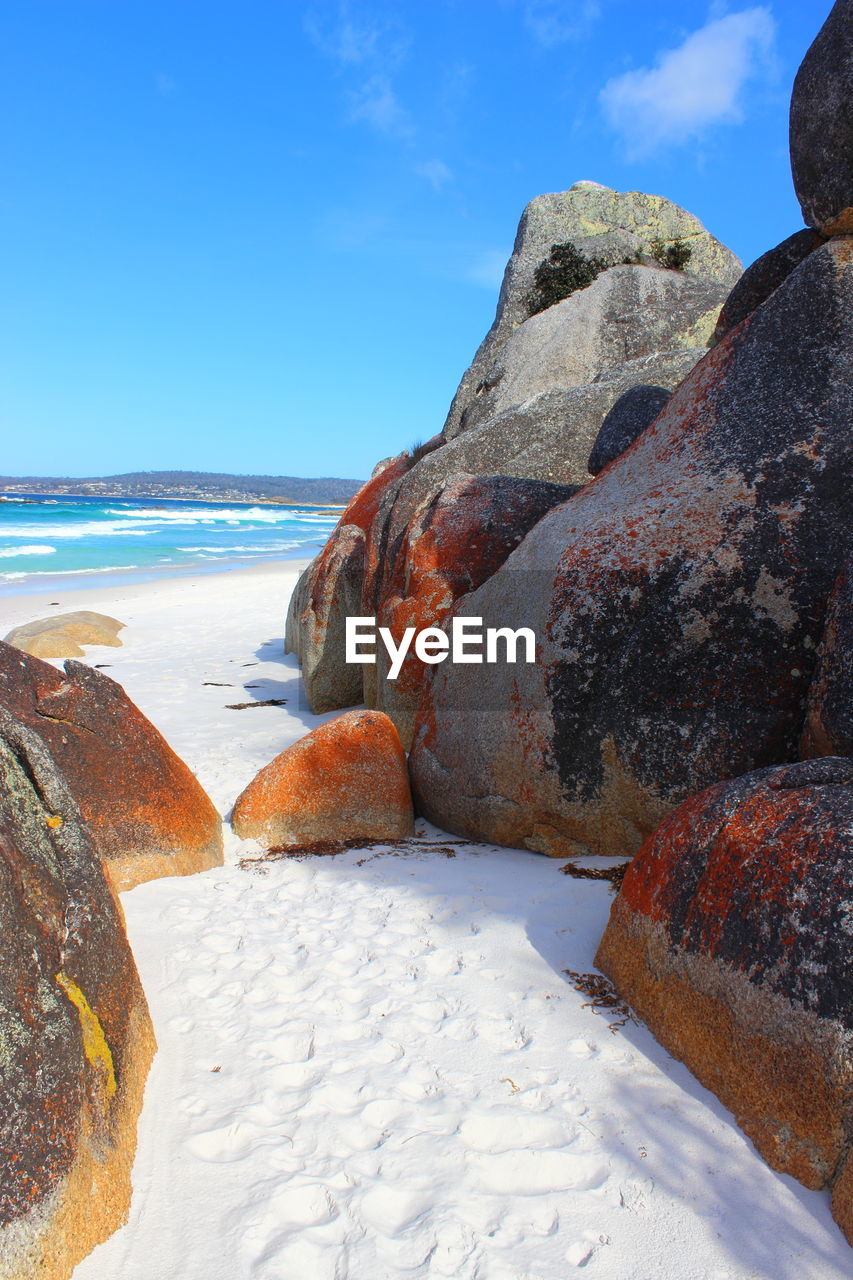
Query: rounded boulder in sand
x,y
343,781
62,635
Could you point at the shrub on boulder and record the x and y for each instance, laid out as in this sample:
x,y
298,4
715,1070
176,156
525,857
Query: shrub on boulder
x,y
75,1036
345,780
730,938
147,813
601,224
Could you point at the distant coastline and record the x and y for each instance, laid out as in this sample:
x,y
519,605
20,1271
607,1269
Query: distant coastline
x,y
189,486
33,496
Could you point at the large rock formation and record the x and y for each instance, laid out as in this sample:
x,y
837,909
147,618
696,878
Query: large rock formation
x,y
532,402
342,782
75,1037
453,544
828,729
147,813
328,592
600,223
822,126
678,599
730,938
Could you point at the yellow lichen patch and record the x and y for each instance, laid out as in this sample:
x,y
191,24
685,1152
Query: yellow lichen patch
x,y
54,821
699,334
95,1044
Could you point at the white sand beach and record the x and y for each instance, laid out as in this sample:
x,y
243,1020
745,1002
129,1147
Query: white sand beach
x,y
373,1066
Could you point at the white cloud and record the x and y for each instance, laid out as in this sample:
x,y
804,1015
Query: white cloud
x,y
690,88
487,269
377,104
554,22
366,52
355,39
435,172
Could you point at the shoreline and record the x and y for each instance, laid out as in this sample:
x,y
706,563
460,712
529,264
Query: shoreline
x,y
131,587
108,579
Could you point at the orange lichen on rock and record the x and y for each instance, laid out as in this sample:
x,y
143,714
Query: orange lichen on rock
x,y
344,780
329,591
456,540
147,812
729,939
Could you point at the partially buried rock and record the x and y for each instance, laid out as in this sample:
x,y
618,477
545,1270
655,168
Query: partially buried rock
x,y
730,938
828,729
75,1036
62,635
625,423
821,131
343,781
147,813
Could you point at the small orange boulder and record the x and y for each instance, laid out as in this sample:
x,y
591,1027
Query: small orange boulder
x,y
345,780
145,811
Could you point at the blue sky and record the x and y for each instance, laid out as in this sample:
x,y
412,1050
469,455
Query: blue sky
x,y
266,236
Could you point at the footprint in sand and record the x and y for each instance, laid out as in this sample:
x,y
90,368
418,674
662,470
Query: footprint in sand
x,y
233,1141
531,1173
392,1210
494,1134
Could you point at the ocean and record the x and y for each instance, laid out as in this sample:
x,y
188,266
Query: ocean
x,y
46,542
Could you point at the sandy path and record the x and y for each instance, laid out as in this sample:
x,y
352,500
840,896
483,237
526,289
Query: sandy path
x,y
380,1070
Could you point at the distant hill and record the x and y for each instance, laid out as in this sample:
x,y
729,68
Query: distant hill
x,y
191,484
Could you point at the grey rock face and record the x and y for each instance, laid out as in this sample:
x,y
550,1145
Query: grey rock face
x,y
828,729
625,423
547,438
764,277
628,312
295,609
678,599
821,127
329,681
602,223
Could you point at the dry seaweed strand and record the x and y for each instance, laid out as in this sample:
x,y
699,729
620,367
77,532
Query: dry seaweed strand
x,y
244,706
614,874
602,995
330,848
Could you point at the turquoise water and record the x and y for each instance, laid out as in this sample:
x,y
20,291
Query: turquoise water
x,y
50,539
